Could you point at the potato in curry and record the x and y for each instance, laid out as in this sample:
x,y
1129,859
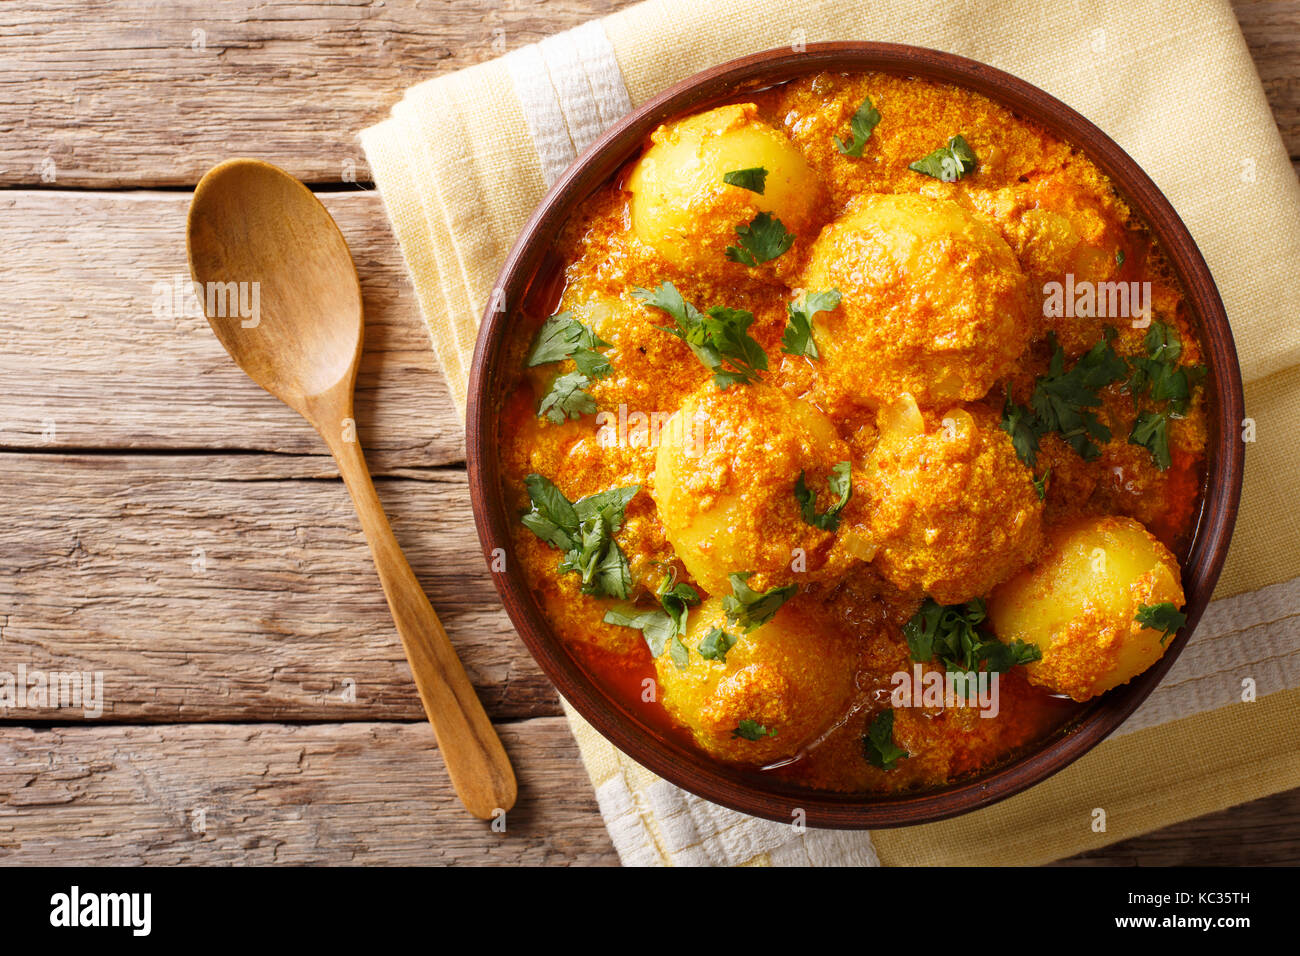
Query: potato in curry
x,y
856,381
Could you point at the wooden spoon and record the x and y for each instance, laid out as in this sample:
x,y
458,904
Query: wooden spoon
x,y
299,337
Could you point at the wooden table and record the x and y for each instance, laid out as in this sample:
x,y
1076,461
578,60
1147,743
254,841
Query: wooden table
x,y
171,526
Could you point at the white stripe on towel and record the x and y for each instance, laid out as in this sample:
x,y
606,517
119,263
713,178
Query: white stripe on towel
x,y
571,89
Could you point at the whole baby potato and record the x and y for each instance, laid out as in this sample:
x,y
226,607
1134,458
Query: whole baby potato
x,y
726,470
791,677
683,208
934,302
951,510
1079,603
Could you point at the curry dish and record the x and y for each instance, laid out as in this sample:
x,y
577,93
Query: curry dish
x,y
859,436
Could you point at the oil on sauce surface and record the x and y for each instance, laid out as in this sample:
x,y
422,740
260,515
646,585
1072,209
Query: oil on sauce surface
x,y
1021,169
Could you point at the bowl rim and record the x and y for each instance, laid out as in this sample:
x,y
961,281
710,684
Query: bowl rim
x,y
692,770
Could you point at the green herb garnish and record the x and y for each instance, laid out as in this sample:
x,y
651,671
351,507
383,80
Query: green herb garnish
x,y
878,743
748,608
840,484
564,337
568,398
561,337
663,625
949,163
584,530
761,241
950,633
1018,422
752,730
716,643
1151,430
1063,401
798,336
678,653
719,338
1040,484
655,626
1165,618
862,123
1160,378
754,179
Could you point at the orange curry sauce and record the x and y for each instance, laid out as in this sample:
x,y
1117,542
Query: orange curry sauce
x,y
1021,168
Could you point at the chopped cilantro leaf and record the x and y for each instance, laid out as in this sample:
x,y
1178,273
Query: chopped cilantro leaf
x,y
676,600
1019,423
1160,378
567,398
862,123
798,336
761,241
840,484
584,530
949,163
1165,618
752,730
748,608
663,626
716,643
754,179
1000,658
719,338
1040,484
564,337
878,743
655,625
678,653
951,634
560,337
1063,401
1151,430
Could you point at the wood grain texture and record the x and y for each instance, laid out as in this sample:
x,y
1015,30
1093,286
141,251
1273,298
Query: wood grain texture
x,y
1264,832
118,95
86,286
141,93
101,570
297,332
372,793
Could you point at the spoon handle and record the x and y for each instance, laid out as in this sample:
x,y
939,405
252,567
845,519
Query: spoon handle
x,y
475,760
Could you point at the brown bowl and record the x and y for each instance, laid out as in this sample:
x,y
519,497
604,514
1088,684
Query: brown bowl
x,y
737,787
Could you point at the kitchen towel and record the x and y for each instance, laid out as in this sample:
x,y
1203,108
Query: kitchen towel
x,y
464,158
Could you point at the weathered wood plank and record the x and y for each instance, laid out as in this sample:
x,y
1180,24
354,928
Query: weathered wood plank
x,y
373,793
141,93
91,357
376,793
126,98
1264,832
239,588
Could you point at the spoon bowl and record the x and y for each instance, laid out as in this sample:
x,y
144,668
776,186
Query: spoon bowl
x,y
284,253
